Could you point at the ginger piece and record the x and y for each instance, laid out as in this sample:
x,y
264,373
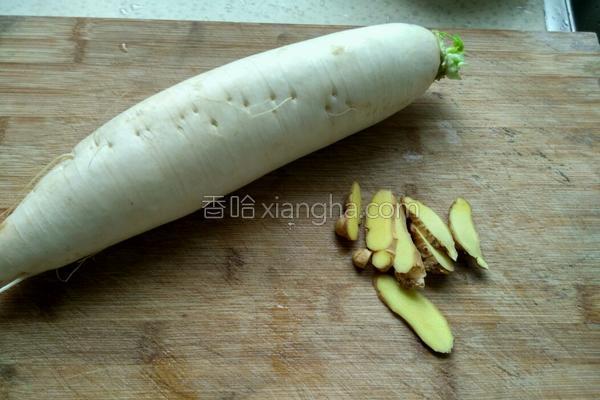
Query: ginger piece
x,y
418,312
408,264
347,225
461,225
431,226
380,229
435,261
379,221
383,260
341,227
361,258
414,278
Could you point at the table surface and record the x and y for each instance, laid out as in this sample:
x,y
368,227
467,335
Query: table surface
x,y
272,308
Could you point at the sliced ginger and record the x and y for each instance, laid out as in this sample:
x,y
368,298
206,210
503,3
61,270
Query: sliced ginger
x,y
463,230
379,220
426,245
347,225
382,260
408,264
380,227
434,260
361,258
430,224
421,314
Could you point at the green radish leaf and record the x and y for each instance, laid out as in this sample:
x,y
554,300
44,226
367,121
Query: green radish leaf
x,y
452,57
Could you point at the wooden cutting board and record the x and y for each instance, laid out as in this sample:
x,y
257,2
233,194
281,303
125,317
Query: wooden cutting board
x,y
272,307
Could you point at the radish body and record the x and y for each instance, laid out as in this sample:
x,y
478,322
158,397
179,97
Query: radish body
x,y
212,134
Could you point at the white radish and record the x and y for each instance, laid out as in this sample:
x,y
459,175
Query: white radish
x,y
214,133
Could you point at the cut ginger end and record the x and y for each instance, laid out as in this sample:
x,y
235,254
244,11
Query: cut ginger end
x,y
347,225
361,258
463,230
418,312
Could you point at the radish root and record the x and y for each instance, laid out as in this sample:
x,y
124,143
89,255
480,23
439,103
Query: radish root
x,y
346,111
32,183
79,264
6,286
272,109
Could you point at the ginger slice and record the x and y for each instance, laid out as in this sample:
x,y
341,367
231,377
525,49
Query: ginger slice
x,y
408,264
418,312
431,226
379,221
347,225
380,229
461,225
434,260
361,258
383,260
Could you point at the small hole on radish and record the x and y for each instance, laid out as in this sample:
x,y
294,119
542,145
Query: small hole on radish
x,y
110,145
229,98
194,109
273,97
137,132
214,122
293,94
328,108
334,91
246,102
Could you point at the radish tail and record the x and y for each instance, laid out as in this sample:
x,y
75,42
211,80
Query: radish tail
x,y
5,285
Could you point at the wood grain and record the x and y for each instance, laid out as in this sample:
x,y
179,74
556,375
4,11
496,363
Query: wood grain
x,y
272,308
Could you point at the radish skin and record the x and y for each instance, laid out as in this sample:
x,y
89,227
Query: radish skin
x,y
212,134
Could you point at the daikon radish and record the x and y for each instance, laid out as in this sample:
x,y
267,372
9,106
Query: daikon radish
x,y
214,133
